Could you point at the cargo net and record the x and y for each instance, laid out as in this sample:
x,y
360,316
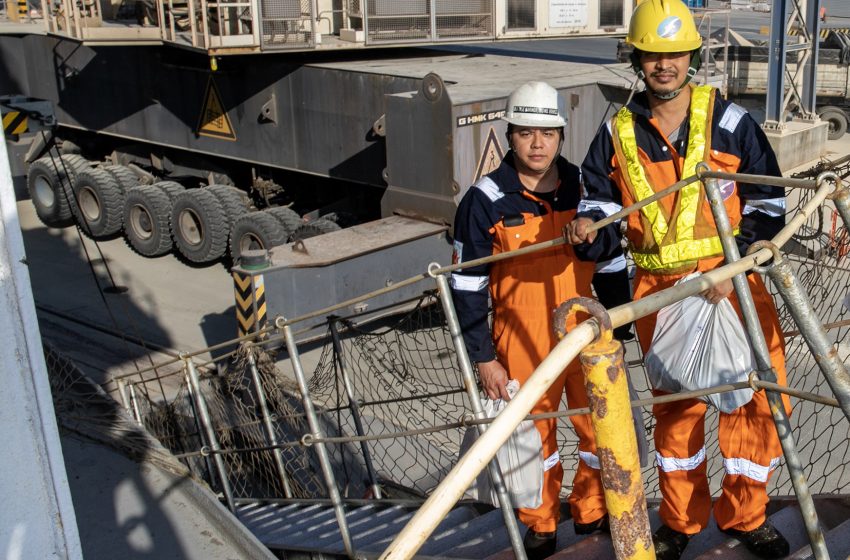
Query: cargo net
x,y
394,21
85,410
260,458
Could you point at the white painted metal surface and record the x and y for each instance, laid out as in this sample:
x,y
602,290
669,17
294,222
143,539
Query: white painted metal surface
x,y
37,519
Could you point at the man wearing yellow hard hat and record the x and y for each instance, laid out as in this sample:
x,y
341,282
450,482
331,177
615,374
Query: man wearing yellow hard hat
x,y
653,142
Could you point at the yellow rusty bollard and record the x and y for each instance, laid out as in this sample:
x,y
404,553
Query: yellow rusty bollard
x,y
608,394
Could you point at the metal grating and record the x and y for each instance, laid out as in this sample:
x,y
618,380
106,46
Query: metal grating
x,y
286,24
522,14
425,20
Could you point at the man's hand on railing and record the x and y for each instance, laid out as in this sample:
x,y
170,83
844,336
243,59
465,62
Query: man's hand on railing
x,y
494,379
576,231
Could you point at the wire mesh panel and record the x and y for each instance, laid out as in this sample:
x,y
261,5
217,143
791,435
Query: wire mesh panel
x,y
426,20
286,24
406,378
458,19
238,424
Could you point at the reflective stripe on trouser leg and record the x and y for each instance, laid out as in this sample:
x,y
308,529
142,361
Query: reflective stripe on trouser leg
x,y
679,443
587,500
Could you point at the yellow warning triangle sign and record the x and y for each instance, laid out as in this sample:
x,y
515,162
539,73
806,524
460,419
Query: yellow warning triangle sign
x,y
491,156
214,120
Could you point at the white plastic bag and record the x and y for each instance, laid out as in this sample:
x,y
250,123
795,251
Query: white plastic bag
x,y
520,459
699,345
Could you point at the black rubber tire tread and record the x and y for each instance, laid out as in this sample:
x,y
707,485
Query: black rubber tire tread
x,y
74,164
215,230
288,218
233,200
837,119
123,175
260,225
312,229
172,189
110,198
158,206
58,213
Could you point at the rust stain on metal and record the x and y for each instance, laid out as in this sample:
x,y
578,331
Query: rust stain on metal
x,y
598,404
613,373
630,528
614,477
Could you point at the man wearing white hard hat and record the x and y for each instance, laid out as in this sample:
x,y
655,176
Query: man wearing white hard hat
x,y
527,200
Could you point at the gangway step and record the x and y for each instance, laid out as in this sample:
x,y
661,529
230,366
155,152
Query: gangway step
x,y
476,532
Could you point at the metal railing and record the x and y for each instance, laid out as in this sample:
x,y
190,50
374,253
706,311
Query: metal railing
x,y
261,440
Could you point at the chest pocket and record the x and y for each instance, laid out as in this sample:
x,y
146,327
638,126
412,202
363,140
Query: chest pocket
x,y
523,230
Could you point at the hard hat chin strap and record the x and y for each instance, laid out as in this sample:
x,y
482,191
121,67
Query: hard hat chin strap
x,y
693,68
672,94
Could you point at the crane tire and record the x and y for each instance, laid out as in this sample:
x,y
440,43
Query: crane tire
x,y
199,226
837,119
100,202
50,191
312,229
123,175
234,201
172,189
287,217
255,230
147,211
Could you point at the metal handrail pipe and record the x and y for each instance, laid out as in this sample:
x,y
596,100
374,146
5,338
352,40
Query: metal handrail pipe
x,y
209,431
321,450
765,369
354,409
789,182
804,315
245,338
267,424
494,469
466,422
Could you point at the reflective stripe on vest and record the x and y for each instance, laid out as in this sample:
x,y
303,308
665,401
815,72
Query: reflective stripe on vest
x,y
685,248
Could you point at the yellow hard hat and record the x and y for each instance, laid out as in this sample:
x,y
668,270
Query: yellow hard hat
x,y
663,26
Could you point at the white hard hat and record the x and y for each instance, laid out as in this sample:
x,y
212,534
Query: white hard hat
x,y
536,104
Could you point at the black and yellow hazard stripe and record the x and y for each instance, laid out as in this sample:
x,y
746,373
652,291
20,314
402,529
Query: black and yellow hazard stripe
x,y
824,33
15,122
250,294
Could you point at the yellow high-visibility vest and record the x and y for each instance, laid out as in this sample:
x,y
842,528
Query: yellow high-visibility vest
x,y
684,249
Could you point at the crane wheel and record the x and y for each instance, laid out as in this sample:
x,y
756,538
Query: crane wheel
x,y
312,229
123,175
199,225
837,119
256,230
100,202
147,211
234,201
50,192
287,217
